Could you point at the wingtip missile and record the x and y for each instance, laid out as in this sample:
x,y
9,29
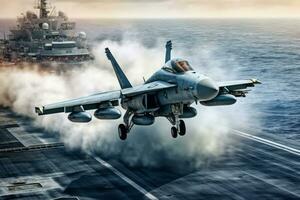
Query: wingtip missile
x,y
255,81
39,110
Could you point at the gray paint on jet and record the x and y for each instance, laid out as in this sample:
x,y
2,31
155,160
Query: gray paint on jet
x,y
169,93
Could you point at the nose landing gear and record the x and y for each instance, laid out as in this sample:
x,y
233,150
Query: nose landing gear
x,y
123,131
178,128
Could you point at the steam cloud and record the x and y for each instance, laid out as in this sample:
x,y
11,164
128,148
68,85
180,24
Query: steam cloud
x,y
207,134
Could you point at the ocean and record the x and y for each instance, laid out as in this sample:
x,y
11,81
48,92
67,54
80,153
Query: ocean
x,y
266,49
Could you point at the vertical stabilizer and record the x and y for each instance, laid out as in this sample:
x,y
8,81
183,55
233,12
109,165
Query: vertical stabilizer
x,y
168,51
123,80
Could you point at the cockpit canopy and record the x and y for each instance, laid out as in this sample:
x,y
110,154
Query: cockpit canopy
x,y
177,66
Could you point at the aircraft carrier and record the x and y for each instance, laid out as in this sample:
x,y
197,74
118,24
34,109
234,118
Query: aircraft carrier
x,y
34,164
46,38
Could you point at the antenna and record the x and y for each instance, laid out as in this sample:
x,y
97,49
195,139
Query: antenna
x,y
53,10
42,6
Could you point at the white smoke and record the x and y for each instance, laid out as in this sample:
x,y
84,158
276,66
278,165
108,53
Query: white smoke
x,y
153,146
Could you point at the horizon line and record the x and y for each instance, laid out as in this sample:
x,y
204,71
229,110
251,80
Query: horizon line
x,y
176,18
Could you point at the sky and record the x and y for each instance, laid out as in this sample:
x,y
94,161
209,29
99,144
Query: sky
x,y
162,8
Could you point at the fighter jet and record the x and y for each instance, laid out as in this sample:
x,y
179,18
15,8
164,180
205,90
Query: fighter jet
x,y
170,92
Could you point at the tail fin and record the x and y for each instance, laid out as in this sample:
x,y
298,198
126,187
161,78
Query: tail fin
x,y
123,80
168,51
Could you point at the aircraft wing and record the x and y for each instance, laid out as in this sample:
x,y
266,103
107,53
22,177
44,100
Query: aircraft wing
x,y
85,103
238,87
146,88
95,100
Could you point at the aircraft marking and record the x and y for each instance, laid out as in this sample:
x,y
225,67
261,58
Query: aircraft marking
x,y
267,142
125,178
270,183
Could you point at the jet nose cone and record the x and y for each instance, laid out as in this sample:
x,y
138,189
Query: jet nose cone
x,y
207,89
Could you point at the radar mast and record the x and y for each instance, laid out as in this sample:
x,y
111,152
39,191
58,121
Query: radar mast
x,y
42,6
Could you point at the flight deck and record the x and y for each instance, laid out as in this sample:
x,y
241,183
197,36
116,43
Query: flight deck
x,y
34,164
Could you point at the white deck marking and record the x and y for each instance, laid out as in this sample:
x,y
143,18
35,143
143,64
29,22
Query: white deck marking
x,y
125,178
268,142
270,183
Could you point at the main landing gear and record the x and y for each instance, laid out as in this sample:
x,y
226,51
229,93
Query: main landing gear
x,y
177,129
123,131
125,128
178,124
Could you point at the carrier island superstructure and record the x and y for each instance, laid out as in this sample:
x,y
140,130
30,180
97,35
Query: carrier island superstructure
x,y
44,37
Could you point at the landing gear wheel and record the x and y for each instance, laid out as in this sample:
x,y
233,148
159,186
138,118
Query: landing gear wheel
x,y
174,132
122,131
182,129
